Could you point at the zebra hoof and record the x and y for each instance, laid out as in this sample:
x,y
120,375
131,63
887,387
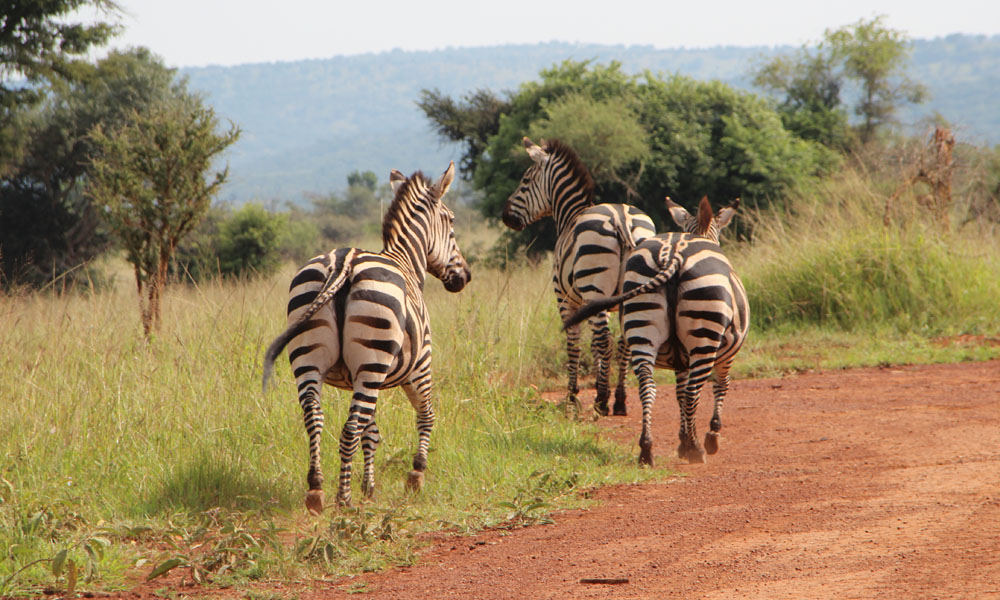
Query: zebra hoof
x,y
646,457
314,502
692,455
572,407
712,442
619,409
414,481
368,489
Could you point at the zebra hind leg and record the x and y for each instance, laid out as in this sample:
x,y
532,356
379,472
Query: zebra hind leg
x,y
713,436
620,393
572,367
360,416
687,397
369,444
647,394
600,348
312,416
419,394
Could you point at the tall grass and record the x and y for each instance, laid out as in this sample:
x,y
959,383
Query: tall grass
x,y
107,436
834,263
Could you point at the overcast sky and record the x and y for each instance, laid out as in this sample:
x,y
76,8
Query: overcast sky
x,y
206,32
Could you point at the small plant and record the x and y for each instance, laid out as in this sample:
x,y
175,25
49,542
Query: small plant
x,y
76,561
224,543
350,533
527,507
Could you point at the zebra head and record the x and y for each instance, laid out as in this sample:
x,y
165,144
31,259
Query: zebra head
x,y
705,224
444,259
531,200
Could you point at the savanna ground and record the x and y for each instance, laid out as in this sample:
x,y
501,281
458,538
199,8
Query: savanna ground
x,y
125,458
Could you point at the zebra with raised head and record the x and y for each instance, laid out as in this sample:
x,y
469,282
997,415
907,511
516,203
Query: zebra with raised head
x,y
357,321
685,309
591,246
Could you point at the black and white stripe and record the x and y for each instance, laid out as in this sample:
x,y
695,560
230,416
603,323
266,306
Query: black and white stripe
x,y
357,321
685,309
590,250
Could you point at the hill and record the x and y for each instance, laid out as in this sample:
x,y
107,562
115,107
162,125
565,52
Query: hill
x,y
307,124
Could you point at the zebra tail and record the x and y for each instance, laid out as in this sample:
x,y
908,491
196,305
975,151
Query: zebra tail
x,y
595,306
331,286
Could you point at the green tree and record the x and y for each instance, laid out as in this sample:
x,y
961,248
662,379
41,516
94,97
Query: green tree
x,y
710,139
49,226
367,179
500,166
150,179
471,120
248,242
867,55
39,45
645,137
343,216
812,108
605,134
874,56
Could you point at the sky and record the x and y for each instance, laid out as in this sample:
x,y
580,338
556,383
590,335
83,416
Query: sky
x,y
188,33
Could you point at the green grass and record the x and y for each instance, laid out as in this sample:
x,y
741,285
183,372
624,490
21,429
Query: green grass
x,y
121,454
164,449
835,265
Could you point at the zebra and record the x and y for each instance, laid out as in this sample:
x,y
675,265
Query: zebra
x,y
357,321
685,309
589,253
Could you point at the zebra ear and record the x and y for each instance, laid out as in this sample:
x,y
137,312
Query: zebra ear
x,y
726,214
535,151
445,182
396,179
678,213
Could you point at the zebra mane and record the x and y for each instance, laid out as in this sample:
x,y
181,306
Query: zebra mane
x,y
580,170
704,216
400,199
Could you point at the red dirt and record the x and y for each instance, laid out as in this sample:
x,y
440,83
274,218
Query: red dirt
x,y
868,483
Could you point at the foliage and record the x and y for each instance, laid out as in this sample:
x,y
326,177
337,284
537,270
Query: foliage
x,y
834,263
645,138
866,54
342,216
812,106
605,135
367,179
471,121
39,44
149,178
709,139
240,243
873,56
49,226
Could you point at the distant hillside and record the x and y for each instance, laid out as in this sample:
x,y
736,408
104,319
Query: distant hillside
x,y
307,124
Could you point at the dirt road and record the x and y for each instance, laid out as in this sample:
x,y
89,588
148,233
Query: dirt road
x,y
870,483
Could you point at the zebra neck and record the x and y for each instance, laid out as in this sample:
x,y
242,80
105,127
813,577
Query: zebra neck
x,y
412,260
567,206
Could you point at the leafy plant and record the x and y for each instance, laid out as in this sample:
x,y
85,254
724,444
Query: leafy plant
x,y
224,543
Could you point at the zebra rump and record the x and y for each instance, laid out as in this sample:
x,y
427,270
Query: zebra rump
x,y
338,277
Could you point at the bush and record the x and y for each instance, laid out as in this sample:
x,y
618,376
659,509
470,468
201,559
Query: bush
x,y
834,263
230,243
675,136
